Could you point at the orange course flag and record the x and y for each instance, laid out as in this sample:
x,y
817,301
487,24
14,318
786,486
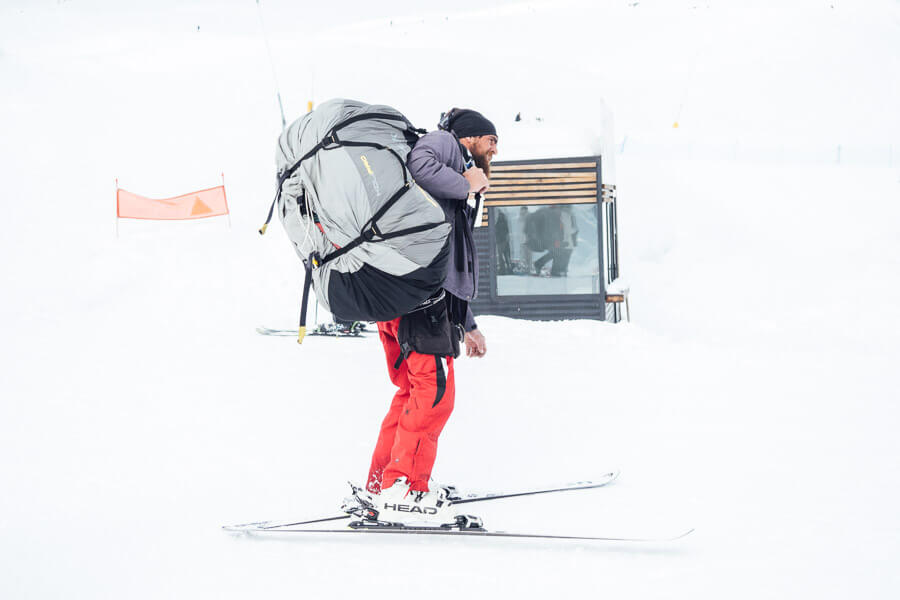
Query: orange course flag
x,y
196,205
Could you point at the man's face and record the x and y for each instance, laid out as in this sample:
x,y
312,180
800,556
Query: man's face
x,y
483,150
486,147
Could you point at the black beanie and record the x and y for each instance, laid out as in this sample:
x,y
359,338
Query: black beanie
x,y
471,123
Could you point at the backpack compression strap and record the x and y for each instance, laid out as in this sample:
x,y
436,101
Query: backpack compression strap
x,y
331,138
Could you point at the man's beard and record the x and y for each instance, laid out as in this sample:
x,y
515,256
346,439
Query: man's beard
x,y
483,162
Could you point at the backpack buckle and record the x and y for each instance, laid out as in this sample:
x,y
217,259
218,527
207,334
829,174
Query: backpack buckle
x,y
369,233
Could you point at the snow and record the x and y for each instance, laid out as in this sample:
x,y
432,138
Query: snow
x,y
753,395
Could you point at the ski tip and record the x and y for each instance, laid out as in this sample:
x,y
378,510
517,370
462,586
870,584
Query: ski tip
x,y
673,538
242,527
654,540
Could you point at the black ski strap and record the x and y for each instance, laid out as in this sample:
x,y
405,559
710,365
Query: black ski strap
x,y
282,177
405,351
310,263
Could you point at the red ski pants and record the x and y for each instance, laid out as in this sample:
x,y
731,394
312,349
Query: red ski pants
x,y
407,444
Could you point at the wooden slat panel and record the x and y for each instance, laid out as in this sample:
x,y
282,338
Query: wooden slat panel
x,y
583,200
546,180
536,166
565,174
580,193
543,188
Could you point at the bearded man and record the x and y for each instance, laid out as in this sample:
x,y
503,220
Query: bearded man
x,y
420,347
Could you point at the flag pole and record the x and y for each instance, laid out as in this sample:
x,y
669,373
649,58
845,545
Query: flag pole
x,y
225,197
117,208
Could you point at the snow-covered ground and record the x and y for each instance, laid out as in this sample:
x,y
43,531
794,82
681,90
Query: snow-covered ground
x,y
753,396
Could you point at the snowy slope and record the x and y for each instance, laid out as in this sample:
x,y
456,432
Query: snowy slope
x,y
752,397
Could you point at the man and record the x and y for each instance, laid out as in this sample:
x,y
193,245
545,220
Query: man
x,y
502,240
569,240
550,227
420,347
519,235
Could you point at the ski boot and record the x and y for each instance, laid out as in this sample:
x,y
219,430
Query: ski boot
x,y
398,506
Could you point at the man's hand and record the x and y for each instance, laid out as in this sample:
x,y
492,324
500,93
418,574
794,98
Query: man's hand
x,y
478,181
475,345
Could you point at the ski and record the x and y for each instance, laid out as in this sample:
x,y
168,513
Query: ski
x,y
271,331
324,330
401,530
601,481
267,525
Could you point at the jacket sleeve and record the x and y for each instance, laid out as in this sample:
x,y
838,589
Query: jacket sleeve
x,y
430,165
470,320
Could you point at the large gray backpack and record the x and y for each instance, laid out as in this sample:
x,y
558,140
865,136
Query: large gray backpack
x,y
374,244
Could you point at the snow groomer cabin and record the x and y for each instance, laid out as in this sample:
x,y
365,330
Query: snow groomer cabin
x,y
547,238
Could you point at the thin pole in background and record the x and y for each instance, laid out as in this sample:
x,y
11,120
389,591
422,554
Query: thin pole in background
x,y
272,64
225,196
117,208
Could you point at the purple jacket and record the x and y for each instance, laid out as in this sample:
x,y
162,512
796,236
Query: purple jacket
x,y
436,163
